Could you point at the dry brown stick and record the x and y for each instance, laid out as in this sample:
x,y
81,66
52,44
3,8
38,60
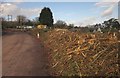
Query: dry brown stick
x,y
99,54
78,68
55,54
106,56
55,64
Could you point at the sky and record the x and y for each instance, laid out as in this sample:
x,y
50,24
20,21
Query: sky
x,y
77,13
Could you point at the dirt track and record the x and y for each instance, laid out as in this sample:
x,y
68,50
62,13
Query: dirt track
x,y
23,55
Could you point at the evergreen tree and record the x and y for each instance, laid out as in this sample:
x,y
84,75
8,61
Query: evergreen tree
x,y
46,17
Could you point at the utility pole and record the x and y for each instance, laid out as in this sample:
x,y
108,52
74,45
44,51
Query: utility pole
x,y
9,17
20,21
10,20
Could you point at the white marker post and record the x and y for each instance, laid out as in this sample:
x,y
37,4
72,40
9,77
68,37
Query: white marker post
x,y
38,35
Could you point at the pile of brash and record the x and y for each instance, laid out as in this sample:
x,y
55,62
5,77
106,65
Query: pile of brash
x,y
82,54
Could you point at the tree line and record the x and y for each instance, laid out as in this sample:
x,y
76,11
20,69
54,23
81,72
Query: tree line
x,y
46,18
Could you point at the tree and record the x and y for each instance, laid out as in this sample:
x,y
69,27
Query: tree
x,y
60,24
29,22
46,17
112,23
3,22
21,19
36,21
7,24
71,25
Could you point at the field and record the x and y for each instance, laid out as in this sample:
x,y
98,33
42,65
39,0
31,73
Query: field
x,y
81,54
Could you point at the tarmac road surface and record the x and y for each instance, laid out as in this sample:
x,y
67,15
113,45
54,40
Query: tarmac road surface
x,y
23,55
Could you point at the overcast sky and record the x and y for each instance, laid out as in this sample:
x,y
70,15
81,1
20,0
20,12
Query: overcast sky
x,y
78,13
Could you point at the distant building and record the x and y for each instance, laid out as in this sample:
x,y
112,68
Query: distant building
x,y
24,27
28,27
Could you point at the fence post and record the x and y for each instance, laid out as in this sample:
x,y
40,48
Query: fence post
x,y
38,35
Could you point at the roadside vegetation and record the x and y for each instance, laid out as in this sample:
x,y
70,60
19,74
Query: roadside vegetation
x,y
82,51
76,51
81,54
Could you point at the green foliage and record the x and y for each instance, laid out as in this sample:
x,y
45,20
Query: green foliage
x,y
8,24
29,23
70,26
60,24
112,23
46,17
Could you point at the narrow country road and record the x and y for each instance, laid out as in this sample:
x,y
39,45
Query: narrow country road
x,y
23,55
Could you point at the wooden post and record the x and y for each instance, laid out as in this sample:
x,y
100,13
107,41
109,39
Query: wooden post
x,y
38,35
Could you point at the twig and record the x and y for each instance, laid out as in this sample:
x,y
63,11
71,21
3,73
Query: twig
x,y
55,55
78,68
99,54
83,54
55,65
106,56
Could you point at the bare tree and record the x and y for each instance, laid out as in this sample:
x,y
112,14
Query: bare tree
x,y
21,19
